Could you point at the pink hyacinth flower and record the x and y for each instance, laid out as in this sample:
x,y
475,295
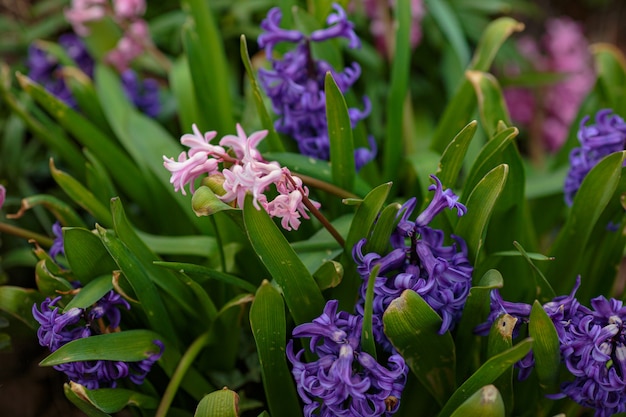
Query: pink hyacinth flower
x,y
3,195
84,11
129,9
187,170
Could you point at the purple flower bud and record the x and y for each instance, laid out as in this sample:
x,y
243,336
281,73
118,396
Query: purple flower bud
x,y
57,245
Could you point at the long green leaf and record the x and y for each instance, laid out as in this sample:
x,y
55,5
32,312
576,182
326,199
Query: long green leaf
x,y
452,159
546,348
222,403
202,273
112,400
302,295
412,326
86,254
18,302
268,324
128,346
491,102
340,134
486,374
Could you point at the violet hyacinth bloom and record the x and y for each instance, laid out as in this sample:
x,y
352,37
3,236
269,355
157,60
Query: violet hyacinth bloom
x,y
344,381
419,261
56,328
295,84
598,140
57,247
144,94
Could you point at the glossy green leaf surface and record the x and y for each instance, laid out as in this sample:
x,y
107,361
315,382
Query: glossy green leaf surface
x,y
222,403
486,402
546,348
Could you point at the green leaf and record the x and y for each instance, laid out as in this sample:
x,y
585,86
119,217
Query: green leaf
x,y
222,403
340,135
364,218
486,402
127,346
201,34
491,102
382,229
412,326
449,24
452,159
328,275
18,302
546,348
205,246
273,140
398,88
480,204
268,324
593,196
81,195
112,400
302,295
500,340
91,293
545,292
86,255
202,273
183,89
48,283
486,374
66,215
139,279
80,402
462,105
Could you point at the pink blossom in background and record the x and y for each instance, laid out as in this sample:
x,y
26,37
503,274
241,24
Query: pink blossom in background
x,y
129,9
382,26
563,49
3,195
84,11
130,46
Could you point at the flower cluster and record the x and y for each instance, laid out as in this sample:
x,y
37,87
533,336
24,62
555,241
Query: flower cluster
x,y
564,50
382,25
46,70
592,345
127,14
246,172
344,381
598,140
295,84
56,328
419,261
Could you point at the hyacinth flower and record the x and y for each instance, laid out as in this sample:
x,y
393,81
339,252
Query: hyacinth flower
x,y
128,16
245,172
419,261
57,247
344,380
605,136
46,70
3,195
563,50
295,84
561,310
56,328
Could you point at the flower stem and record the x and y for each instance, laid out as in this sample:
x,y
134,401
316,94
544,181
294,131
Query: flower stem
x,y
319,216
185,362
26,234
326,186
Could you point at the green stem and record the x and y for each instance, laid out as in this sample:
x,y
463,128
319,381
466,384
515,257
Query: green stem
x,y
26,234
185,362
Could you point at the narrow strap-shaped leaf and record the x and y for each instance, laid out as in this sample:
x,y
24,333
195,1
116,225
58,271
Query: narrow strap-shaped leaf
x,y
222,403
486,374
364,218
546,348
367,334
91,293
128,346
452,159
302,295
340,135
268,324
545,292
272,139
182,87
80,402
593,196
449,24
66,215
412,327
461,106
393,149
384,226
202,273
86,254
480,204
491,104
112,400
500,340
139,279
486,402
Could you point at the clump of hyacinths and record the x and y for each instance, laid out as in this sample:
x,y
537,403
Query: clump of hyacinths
x,y
607,135
592,343
58,327
344,380
240,170
295,83
420,261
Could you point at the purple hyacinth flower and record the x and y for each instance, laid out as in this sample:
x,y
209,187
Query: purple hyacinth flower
x,y
143,94
598,140
419,261
56,328
344,381
57,247
295,84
